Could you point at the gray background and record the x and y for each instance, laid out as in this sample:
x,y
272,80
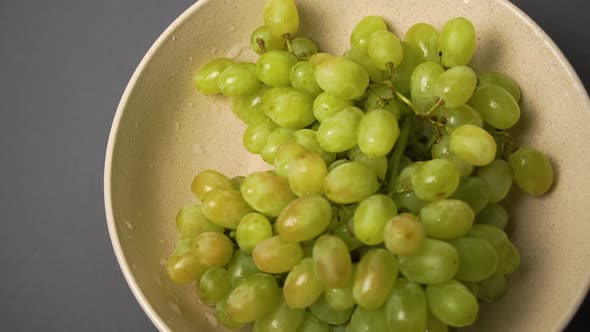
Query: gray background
x,y
63,67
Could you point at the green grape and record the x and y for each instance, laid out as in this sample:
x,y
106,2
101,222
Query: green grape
x,y
402,73
312,324
337,163
374,278
326,105
325,313
350,183
214,285
491,289
371,216
263,36
456,43
304,219
406,309
280,319
422,85
190,222
380,96
342,230
252,229
281,17
288,107
303,47
452,303
510,261
435,179
238,79
254,298
320,57
302,78
378,131
225,207
302,286
497,106
404,234
502,80
364,320
424,38
433,324
473,144
309,140
361,57
342,77
447,219
275,139
274,68
209,180
256,135
183,244
435,262
532,170
342,298
498,177
338,133
473,191
249,108
442,149
212,249
224,318
456,117
385,49
404,179
306,174
377,164
456,85
284,155
275,255
332,261
494,215
364,29
267,193
184,268
409,201
205,79
240,267
496,237
478,260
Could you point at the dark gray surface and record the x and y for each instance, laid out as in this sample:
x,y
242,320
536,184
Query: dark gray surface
x,y
63,67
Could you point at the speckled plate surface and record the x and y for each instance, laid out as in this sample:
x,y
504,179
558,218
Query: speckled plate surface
x,y
165,132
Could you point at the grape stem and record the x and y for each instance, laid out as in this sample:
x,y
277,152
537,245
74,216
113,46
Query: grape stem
x,y
397,154
289,45
260,43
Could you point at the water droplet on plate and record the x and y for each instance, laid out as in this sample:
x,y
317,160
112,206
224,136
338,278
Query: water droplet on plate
x,y
190,58
163,261
232,28
214,50
129,224
175,308
173,38
212,319
198,149
151,165
178,125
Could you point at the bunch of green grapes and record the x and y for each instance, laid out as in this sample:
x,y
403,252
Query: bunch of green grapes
x,y
383,210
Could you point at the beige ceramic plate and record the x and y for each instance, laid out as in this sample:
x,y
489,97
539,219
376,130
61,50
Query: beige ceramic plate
x,y
165,132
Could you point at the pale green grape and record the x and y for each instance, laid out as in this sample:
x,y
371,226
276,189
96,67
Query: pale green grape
x,y
378,131
342,298
452,303
256,135
497,106
281,17
249,108
320,57
252,229
184,268
339,132
402,73
365,320
532,170
456,117
494,215
212,249
364,29
224,318
404,179
205,78
190,222
510,261
435,262
302,78
288,107
342,77
254,298
408,200
435,179
361,57
306,174
284,155
456,85
456,43
498,177
209,180
312,324
374,278
304,219
183,244
447,218
238,79
371,216
225,207
496,237
332,261
214,285
275,139
240,267
302,286
350,183
377,164
502,80
274,68
281,319
424,38
433,324
473,144
385,49
303,48
442,149
380,96
326,105
271,43
473,191
406,308
309,140
403,234
491,289
478,260
422,85
275,255
325,313
267,193
342,230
